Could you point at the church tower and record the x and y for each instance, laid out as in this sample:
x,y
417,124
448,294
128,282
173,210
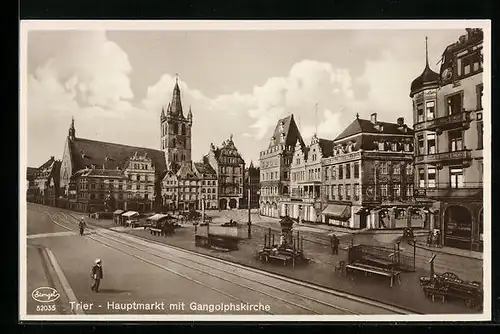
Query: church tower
x,y
176,132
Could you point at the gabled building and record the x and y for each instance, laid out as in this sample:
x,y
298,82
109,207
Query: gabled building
x,y
208,185
251,186
44,187
275,164
305,201
368,179
227,162
448,122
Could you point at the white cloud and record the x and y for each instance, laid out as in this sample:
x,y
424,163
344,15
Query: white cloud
x,y
89,78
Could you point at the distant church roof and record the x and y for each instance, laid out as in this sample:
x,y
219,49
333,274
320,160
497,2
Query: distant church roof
x,y
87,152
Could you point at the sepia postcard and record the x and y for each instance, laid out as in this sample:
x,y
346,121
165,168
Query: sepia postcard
x,y
255,171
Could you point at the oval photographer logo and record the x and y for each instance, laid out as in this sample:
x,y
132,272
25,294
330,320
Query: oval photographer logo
x,y
45,295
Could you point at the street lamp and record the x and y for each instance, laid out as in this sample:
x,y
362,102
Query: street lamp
x,y
249,211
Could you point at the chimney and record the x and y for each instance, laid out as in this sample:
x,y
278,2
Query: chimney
x,y
373,118
401,121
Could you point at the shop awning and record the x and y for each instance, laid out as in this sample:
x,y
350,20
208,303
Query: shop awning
x,y
157,217
118,212
130,213
338,211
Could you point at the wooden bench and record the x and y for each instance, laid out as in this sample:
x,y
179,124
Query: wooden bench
x,y
155,231
375,270
379,261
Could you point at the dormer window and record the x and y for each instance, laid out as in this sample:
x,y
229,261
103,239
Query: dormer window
x,y
394,147
381,146
282,139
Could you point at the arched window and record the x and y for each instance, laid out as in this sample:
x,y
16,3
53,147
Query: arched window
x,y
174,128
183,129
174,142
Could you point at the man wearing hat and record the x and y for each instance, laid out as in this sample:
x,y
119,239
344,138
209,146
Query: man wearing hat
x,y
97,275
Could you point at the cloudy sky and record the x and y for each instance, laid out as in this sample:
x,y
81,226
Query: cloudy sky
x,y
237,82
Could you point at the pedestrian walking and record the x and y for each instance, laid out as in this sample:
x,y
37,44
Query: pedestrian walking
x,y
334,243
82,225
97,275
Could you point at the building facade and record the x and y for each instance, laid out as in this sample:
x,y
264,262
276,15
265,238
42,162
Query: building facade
x,y
44,185
368,180
227,162
251,186
305,200
448,123
209,185
97,176
275,164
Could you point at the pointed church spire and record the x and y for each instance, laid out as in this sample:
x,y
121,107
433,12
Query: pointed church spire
x,y
163,111
176,105
190,113
251,164
72,131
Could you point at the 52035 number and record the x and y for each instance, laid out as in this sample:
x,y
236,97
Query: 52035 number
x,y
45,308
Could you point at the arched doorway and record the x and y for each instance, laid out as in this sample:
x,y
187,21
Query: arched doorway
x,y
223,203
457,227
232,203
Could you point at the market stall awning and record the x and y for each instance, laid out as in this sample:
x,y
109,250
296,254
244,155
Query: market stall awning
x,y
157,217
130,213
338,211
118,212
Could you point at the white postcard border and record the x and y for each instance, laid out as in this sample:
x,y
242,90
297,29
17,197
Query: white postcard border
x,y
29,25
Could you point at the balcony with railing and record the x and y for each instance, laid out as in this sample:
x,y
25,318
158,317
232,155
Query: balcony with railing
x,y
461,119
445,158
467,190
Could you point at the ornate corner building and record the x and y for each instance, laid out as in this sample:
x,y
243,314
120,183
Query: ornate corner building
x,y
229,167
448,123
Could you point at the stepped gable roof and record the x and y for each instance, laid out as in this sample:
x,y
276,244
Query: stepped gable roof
x,y
326,146
87,152
366,126
204,169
